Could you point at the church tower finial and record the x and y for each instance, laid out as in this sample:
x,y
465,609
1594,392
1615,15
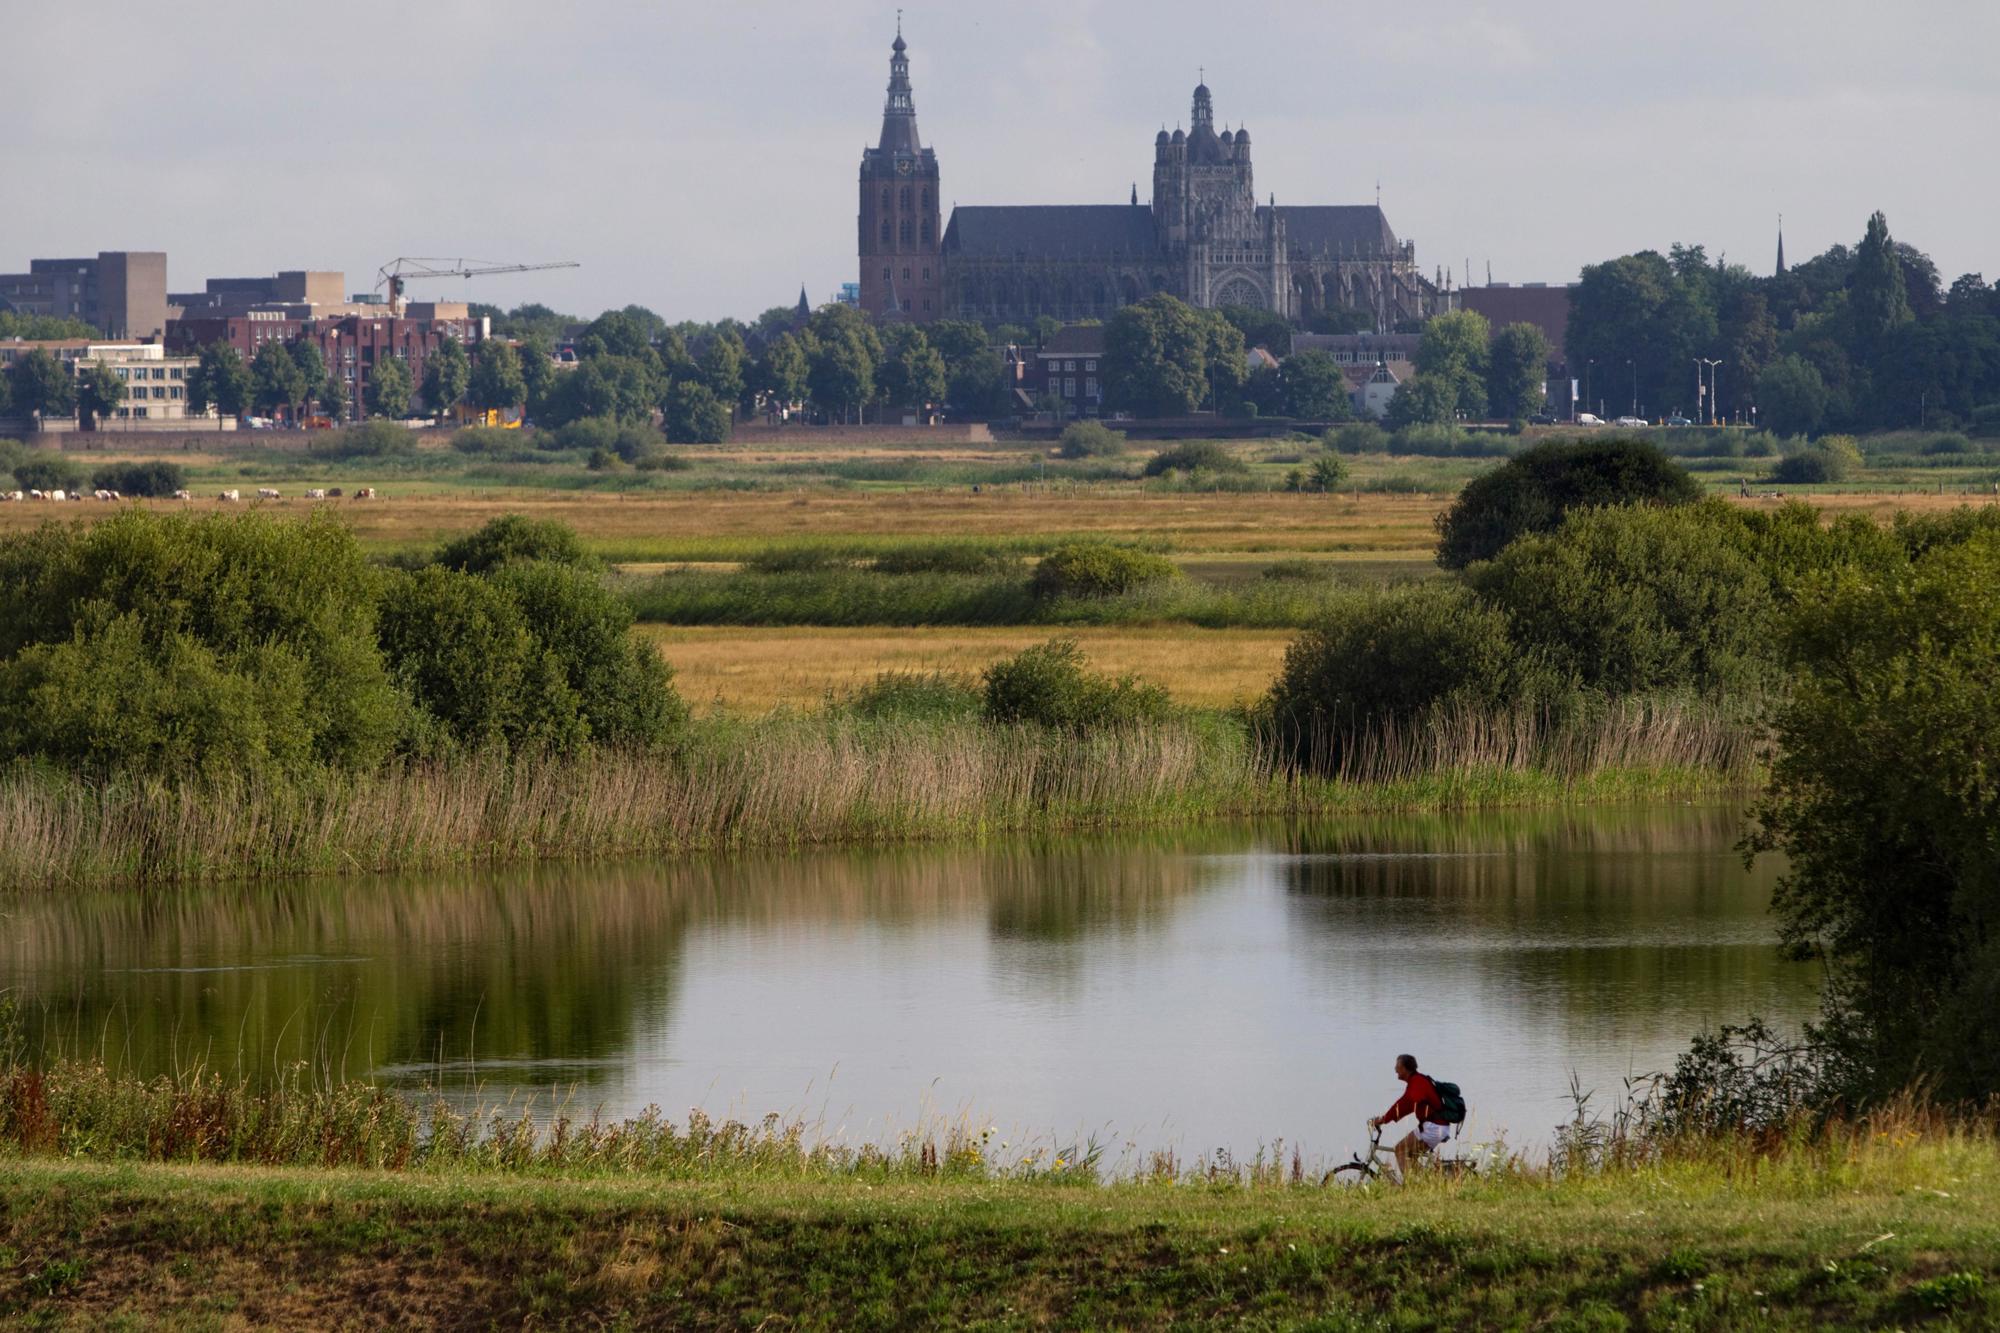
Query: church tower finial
x,y
1781,242
899,111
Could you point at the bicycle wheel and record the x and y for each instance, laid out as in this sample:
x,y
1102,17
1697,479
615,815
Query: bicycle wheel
x,y
1350,1175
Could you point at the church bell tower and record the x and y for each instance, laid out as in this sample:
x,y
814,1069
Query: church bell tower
x,y
901,235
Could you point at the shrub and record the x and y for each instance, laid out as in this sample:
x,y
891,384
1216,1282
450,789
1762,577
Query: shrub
x,y
1387,657
946,558
1327,473
1195,456
513,537
1091,439
1434,440
149,479
603,460
1360,437
630,441
623,688
661,463
1628,599
369,439
47,472
917,695
492,440
1949,443
173,644
1830,460
1534,490
1047,686
457,645
1098,569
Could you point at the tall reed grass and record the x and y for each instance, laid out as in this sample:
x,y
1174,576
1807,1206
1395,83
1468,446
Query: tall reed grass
x,y
827,779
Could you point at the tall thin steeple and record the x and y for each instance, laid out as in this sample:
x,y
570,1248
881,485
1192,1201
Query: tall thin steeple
x,y
899,111
1781,242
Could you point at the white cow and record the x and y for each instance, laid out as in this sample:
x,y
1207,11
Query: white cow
x,y
316,493
57,495
365,493
11,495
266,493
230,497
182,495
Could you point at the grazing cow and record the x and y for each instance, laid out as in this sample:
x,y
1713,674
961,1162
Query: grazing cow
x,y
365,493
57,495
316,493
230,497
36,495
101,494
11,495
182,495
266,493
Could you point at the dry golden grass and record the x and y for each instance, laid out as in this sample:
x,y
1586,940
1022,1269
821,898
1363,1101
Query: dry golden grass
x,y
756,670
1384,524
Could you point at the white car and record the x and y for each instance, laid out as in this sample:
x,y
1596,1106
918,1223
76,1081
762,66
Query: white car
x,y
1586,419
1631,421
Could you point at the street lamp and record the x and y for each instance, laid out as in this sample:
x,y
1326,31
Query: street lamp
x,y
1633,366
1714,391
1586,381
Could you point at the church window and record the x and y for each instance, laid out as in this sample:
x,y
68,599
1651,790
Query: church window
x,y
906,230
927,275
926,198
906,197
885,275
906,275
927,303
885,198
885,229
927,229
906,303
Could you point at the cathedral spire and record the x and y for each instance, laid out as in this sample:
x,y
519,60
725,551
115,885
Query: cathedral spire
x,y
1204,109
899,112
1781,242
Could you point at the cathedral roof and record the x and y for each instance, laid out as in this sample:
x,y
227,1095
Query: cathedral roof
x,y
1337,229
1048,231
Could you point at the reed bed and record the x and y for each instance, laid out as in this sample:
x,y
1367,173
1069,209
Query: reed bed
x,y
828,779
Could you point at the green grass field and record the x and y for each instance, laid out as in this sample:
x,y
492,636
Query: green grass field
x,y
1894,1233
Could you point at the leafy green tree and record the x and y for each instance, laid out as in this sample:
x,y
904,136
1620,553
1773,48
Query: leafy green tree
x,y
312,367
1316,388
845,355
1227,360
50,472
42,386
786,369
1537,488
1454,350
333,398
619,333
99,391
722,363
447,375
914,375
44,328
220,381
390,387
1156,358
1877,295
1328,473
1885,799
538,372
1046,327
1639,309
1791,397
625,388
1264,389
1516,371
978,384
498,384
275,381
957,340
1423,400
6,396
157,479
1261,328
694,415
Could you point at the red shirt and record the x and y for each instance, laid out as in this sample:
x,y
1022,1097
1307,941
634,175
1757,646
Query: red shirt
x,y
1420,1098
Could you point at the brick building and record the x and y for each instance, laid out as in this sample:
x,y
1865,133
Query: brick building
x,y
351,344
901,237
1067,368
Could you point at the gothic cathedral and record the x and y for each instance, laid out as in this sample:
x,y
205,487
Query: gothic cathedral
x,y
1203,238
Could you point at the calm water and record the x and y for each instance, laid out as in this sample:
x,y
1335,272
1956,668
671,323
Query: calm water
x,y
1201,991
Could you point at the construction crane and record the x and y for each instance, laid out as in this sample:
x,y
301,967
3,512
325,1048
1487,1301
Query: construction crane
x,y
399,271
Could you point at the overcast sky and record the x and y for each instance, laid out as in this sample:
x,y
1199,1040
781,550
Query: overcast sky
x,y
700,158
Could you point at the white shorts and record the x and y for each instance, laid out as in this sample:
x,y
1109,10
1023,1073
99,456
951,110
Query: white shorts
x,y
1433,1135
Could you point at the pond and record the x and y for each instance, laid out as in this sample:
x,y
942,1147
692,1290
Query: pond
x,y
1197,990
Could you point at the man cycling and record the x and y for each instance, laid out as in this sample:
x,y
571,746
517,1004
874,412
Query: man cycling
x,y
1420,1098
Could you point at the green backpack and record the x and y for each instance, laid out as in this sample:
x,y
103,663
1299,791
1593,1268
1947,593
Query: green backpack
x,y
1451,1102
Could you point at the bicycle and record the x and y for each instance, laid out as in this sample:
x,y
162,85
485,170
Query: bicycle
x,y
1358,1169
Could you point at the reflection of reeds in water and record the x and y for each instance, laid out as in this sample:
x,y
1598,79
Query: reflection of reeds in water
x,y
810,781
541,966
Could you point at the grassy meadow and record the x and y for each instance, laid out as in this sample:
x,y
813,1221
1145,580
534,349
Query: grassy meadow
x,y
1874,1227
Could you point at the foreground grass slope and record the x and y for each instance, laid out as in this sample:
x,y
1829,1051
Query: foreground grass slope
x,y
1897,1233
